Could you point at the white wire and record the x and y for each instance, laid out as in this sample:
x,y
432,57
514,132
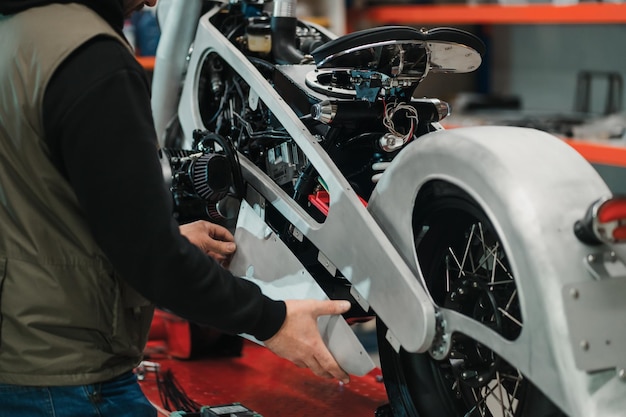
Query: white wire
x,y
390,111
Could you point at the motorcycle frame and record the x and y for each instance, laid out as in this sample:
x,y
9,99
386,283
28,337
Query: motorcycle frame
x,y
413,328
378,244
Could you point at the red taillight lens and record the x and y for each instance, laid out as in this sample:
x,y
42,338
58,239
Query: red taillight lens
x,y
612,210
611,219
604,222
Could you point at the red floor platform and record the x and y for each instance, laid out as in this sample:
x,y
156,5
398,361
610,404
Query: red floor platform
x,y
269,385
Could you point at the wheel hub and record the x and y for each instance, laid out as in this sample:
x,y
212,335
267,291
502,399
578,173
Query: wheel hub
x,y
474,364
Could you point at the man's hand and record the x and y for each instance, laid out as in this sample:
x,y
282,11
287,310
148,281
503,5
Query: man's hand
x,y
299,340
213,239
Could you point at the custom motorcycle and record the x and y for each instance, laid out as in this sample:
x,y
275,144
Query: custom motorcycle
x,y
492,258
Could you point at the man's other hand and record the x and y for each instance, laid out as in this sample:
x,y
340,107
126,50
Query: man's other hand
x,y
299,340
213,239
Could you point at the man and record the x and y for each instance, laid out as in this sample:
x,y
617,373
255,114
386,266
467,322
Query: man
x,y
87,234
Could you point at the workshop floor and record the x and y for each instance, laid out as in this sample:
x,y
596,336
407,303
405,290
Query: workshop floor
x,y
269,385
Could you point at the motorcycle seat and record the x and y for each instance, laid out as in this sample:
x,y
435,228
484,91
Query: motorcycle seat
x,y
348,50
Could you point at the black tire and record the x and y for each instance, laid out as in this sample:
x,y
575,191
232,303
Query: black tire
x,y
471,381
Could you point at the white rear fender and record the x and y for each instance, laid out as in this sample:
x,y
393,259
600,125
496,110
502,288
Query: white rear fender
x,y
533,187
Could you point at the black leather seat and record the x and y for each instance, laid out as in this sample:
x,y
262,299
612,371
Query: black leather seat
x,y
328,54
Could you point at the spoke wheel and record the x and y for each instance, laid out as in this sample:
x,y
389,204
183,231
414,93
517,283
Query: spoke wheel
x,y
465,269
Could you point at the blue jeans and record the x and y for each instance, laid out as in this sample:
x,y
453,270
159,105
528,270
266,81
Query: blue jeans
x,y
119,397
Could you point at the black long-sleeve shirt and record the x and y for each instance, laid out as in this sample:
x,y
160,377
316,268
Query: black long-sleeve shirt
x,y
99,128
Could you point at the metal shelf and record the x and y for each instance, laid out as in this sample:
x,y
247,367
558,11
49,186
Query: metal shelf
x,y
583,13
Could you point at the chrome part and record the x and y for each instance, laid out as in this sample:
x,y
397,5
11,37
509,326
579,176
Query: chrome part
x,y
441,346
390,142
443,108
604,223
442,56
324,111
607,230
453,57
284,8
397,45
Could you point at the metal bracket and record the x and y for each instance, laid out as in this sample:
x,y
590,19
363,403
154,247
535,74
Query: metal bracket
x,y
596,317
322,259
443,339
604,265
359,298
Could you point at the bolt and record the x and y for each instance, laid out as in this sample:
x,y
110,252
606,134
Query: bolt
x,y
574,293
621,374
591,258
469,374
584,345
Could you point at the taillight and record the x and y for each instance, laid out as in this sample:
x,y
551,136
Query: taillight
x,y
604,222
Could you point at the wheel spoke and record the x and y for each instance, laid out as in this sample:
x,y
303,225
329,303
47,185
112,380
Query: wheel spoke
x,y
447,274
466,268
505,410
510,397
495,263
509,316
467,247
493,397
504,401
461,271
